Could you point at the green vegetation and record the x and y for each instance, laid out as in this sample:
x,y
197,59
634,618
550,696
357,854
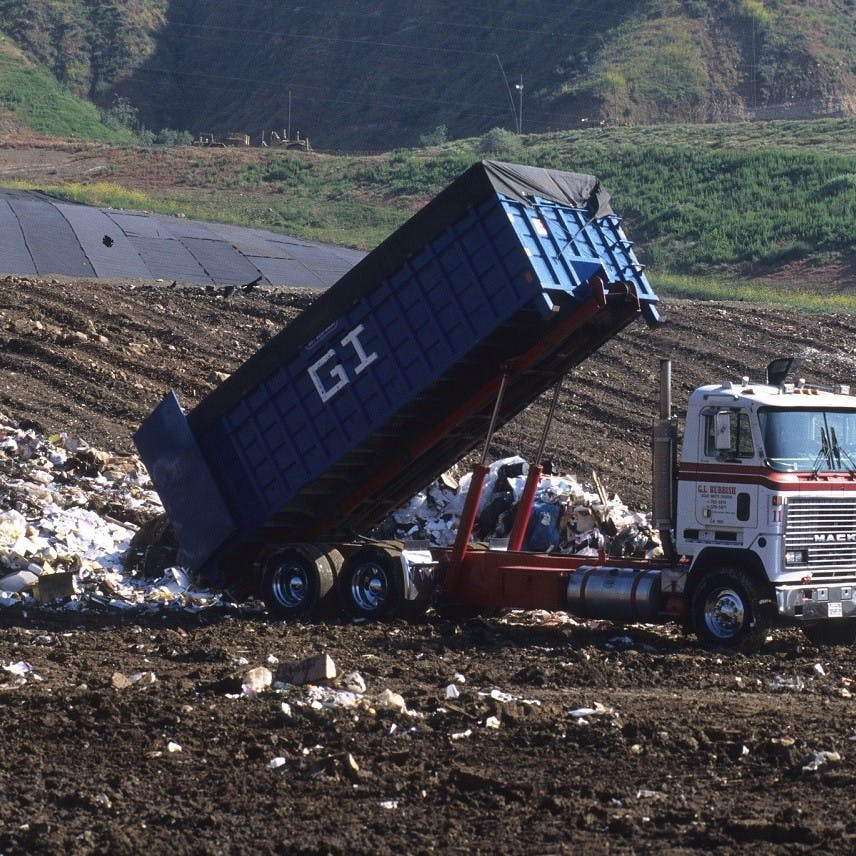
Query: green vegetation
x,y
37,101
728,289
730,204
385,75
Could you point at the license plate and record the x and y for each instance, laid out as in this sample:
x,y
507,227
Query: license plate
x,y
833,610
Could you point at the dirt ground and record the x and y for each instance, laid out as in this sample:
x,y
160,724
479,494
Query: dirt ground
x,y
131,731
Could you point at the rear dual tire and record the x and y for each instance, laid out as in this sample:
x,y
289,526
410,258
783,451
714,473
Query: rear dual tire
x,y
298,581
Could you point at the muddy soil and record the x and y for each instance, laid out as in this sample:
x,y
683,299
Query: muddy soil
x,y
131,731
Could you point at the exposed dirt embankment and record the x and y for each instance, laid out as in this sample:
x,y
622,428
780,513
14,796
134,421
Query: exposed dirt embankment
x,y
95,357
129,731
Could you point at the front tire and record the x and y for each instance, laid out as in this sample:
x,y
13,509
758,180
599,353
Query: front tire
x,y
297,581
730,610
837,631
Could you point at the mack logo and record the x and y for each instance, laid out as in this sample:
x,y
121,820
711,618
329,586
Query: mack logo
x,y
835,538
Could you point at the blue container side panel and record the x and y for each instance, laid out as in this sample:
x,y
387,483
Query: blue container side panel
x,y
402,337
381,353
181,475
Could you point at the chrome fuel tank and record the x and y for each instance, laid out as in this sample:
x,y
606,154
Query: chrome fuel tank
x,y
619,594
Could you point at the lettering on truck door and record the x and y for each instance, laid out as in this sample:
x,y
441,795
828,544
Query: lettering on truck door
x,y
732,500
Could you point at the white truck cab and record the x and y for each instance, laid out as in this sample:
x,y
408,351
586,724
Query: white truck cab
x,y
765,508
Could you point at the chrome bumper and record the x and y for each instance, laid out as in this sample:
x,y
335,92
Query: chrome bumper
x,y
813,602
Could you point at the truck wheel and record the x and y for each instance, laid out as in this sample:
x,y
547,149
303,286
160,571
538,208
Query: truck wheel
x,y
296,581
837,631
370,584
729,610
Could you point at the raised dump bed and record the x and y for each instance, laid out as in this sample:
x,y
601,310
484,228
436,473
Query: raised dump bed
x,y
391,375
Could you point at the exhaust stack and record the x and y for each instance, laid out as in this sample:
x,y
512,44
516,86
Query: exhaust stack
x,y
664,460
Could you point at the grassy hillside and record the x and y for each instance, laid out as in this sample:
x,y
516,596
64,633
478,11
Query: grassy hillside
x,y
32,98
733,204
375,75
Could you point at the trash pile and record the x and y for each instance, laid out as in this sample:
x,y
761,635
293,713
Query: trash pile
x,y
67,515
567,517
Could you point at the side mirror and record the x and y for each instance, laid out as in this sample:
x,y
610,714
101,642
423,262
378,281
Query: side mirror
x,y
722,427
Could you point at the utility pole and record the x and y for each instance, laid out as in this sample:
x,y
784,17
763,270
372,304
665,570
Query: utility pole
x,y
519,88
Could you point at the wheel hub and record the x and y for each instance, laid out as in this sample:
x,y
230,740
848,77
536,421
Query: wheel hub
x,y
370,588
290,585
724,613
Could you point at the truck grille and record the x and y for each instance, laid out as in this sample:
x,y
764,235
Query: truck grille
x,y
825,530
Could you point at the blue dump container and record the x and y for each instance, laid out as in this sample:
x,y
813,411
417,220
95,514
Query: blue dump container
x,y
390,376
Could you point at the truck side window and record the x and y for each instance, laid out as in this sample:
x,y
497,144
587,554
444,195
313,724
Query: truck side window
x,y
741,445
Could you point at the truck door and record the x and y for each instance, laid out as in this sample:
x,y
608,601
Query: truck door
x,y
728,497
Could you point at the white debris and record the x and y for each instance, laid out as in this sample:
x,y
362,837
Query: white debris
x,y
21,668
173,747
491,722
390,700
256,681
505,698
818,758
598,710
318,697
781,683
354,682
462,735
18,582
566,516
819,670
276,763
452,691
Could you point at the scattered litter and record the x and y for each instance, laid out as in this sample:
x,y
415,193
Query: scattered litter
x,y
319,697
505,698
354,682
256,681
120,681
58,547
276,763
452,691
389,804
491,722
598,710
818,669
782,683
390,700
648,794
461,735
173,747
622,642
817,759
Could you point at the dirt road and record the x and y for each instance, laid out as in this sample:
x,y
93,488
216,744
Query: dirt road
x,y
129,731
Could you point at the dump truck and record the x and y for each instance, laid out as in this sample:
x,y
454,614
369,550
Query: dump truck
x,y
482,301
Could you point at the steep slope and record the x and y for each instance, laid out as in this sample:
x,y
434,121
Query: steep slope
x,y
31,101
378,75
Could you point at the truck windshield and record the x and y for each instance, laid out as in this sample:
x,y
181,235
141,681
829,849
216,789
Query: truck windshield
x,y
809,440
